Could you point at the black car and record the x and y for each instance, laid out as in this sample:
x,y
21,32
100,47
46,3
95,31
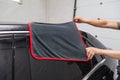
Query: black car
x,y
16,62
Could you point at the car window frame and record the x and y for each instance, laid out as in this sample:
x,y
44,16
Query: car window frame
x,y
98,65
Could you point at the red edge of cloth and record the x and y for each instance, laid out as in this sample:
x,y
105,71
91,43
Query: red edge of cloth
x,y
45,58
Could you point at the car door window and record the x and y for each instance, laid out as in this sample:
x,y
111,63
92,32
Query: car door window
x,y
86,67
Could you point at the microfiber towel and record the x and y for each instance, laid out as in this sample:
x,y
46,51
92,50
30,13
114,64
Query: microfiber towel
x,y
49,41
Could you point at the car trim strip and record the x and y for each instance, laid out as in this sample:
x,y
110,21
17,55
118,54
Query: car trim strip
x,y
94,69
14,32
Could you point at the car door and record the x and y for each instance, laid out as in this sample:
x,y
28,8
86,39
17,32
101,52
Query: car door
x,y
6,57
100,70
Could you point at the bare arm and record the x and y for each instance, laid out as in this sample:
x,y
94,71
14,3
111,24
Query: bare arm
x,y
111,53
91,51
98,23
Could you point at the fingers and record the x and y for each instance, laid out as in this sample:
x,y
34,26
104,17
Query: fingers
x,y
76,19
90,52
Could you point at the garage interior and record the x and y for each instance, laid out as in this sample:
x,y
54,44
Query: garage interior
x,y
61,11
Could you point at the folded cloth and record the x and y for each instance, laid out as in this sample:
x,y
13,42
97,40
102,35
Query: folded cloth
x,y
62,41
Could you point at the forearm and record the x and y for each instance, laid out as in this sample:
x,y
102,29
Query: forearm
x,y
97,23
111,53
91,51
103,23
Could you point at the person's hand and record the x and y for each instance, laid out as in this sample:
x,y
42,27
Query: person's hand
x,y
79,19
91,51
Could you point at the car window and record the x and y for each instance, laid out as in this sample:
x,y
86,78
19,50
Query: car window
x,y
86,67
91,41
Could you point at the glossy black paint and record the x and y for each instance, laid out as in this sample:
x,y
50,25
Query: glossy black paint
x,y
16,62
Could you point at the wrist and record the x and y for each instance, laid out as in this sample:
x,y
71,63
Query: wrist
x,y
101,51
82,20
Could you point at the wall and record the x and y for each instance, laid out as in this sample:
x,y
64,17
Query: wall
x,y
59,11
103,9
29,10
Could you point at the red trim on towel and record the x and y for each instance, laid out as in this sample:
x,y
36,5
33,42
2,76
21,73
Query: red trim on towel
x,y
80,35
45,58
